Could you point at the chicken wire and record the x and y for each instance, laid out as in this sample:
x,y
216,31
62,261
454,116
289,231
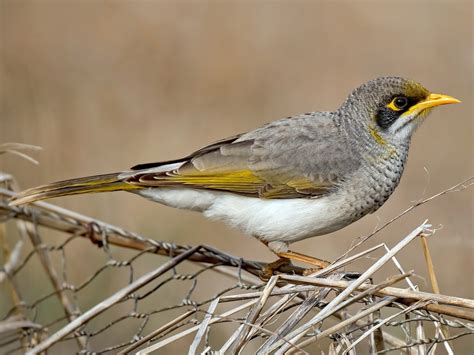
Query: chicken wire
x,y
134,294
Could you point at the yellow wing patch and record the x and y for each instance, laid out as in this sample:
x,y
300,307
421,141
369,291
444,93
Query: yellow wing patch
x,y
238,181
295,188
241,182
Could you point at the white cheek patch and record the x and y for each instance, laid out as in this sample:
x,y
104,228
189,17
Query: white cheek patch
x,y
404,126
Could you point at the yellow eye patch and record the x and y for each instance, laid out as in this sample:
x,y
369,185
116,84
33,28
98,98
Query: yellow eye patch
x,y
398,103
392,106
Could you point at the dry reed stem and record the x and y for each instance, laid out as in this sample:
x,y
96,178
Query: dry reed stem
x,y
399,293
435,287
346,322
175,337
418,304
28,230
297,334
286,338
16,148
109,302
429,264
280,292
203,327
308,304
60,219
12,261
244,330
17,323
455,188
155,333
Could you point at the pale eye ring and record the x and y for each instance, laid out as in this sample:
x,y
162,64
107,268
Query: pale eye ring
x,y
400,102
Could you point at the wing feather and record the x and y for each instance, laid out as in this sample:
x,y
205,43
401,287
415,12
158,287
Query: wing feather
x,y
302,157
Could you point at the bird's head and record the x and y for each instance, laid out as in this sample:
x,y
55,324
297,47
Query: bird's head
x,y
391,108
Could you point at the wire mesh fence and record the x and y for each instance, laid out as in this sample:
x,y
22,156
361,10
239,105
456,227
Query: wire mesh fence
x,y
128,294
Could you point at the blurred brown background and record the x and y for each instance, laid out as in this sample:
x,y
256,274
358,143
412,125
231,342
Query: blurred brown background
x,y
104,85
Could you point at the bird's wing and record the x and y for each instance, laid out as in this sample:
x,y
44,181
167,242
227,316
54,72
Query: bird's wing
x,y
298,157
203,150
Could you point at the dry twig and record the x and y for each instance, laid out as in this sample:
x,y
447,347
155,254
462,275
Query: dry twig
x,y
284,314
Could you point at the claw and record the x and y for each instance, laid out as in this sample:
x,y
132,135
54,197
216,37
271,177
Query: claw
x,y
270,269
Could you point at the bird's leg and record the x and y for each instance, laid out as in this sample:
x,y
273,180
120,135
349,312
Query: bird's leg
x,y
270,268
281,249
292,255
286,256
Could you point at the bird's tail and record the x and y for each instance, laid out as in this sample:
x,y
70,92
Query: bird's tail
x,y
89,184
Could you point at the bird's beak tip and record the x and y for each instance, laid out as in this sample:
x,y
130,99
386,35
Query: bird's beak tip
x,y
440,99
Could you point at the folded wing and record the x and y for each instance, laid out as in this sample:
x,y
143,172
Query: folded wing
x,y
281,160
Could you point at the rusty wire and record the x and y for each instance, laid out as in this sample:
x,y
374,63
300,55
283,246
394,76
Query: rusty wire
x,y
159,293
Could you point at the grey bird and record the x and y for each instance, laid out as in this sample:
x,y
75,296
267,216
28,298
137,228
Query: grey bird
x,y
292,179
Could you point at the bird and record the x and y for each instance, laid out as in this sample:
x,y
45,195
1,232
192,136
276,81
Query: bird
x,y
295,178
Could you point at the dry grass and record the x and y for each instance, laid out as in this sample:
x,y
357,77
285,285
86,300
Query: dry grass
x,y
332,310
102,86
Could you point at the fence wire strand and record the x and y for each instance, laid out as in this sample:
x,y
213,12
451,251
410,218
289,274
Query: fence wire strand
x,y
97,288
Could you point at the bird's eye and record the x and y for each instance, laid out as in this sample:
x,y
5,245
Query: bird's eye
x,y
401,102
398,103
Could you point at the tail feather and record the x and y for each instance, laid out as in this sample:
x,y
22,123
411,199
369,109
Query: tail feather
x,y
89,184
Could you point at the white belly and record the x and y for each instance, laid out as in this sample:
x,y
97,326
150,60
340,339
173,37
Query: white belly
x,y
285,220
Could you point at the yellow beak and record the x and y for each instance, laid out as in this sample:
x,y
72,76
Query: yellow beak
x,y
431,101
